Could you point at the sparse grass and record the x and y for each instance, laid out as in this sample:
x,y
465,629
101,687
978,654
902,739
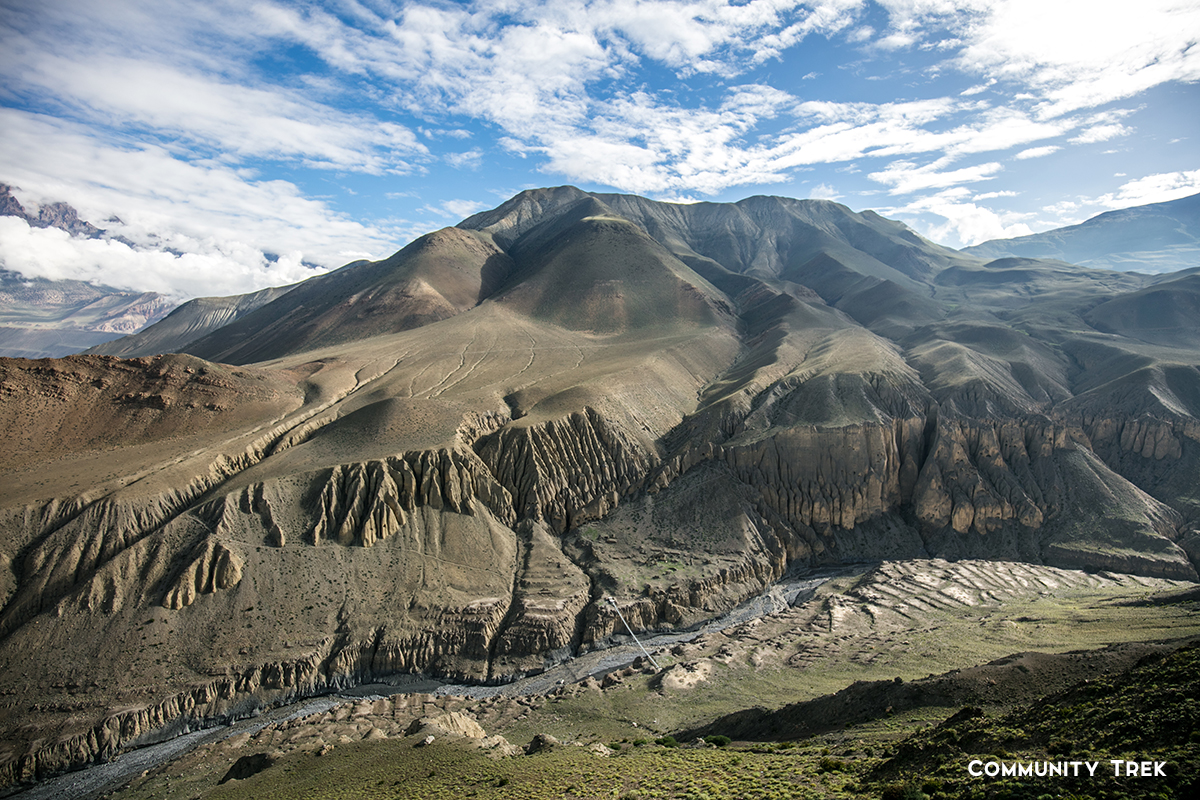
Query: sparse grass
x,y
394,770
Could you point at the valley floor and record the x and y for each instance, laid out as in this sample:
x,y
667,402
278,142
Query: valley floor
x,y
839,695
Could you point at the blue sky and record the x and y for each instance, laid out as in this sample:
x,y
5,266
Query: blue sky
x,y
245,144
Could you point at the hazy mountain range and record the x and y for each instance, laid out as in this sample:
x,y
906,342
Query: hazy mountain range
x,y
443,462
1161,237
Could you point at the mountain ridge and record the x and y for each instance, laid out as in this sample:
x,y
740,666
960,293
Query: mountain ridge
x,y
567,398
1155,238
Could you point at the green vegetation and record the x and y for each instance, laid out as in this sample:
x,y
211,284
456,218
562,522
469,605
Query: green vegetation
x,y
1150,713
395,770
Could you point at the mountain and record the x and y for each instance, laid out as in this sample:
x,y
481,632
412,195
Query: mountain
x,y
1155,238
42,318
52,215
188,322
443,462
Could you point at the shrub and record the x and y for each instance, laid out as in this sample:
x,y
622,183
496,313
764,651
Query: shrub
x,y
718,740
827,764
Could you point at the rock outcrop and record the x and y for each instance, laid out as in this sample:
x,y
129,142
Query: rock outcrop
x,y
565,471
214,567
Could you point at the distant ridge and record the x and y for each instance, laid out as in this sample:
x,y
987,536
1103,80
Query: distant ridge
x,y
1155,238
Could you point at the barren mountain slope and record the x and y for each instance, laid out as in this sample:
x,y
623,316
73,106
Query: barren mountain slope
x,y
187,323
444,461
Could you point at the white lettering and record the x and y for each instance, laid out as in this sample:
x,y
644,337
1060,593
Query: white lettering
x,y
1042,769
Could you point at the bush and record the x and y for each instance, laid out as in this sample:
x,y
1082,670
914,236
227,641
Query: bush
x,y
827,764
1059,747
718,740
900,791
667,741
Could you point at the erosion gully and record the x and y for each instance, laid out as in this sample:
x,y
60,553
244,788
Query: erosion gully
x,y
620,651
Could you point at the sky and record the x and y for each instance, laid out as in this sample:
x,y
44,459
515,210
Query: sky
x,y
248,143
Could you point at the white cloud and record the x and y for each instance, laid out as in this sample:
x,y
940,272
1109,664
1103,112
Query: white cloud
x,y
1077,54
226,268
1156,188
965,222
463,208
210,211
1101,133
991,195
471,159
976,89
823,191
905,177
233,120
100,80
1037,152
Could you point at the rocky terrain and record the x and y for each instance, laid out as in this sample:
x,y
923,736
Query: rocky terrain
x,y
444,462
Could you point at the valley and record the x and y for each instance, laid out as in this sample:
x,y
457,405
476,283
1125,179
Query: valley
x,y
443,463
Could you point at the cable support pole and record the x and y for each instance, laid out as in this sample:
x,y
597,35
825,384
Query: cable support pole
x,y
631,633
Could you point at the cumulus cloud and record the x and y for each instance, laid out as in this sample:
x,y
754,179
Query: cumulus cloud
x,y
222,268
965,222
823,191
1077,55
471,159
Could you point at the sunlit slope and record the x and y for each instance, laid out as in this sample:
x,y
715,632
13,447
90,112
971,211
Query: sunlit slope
x,y
435,277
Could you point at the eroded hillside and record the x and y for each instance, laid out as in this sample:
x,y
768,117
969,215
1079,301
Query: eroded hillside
x,y
445,461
